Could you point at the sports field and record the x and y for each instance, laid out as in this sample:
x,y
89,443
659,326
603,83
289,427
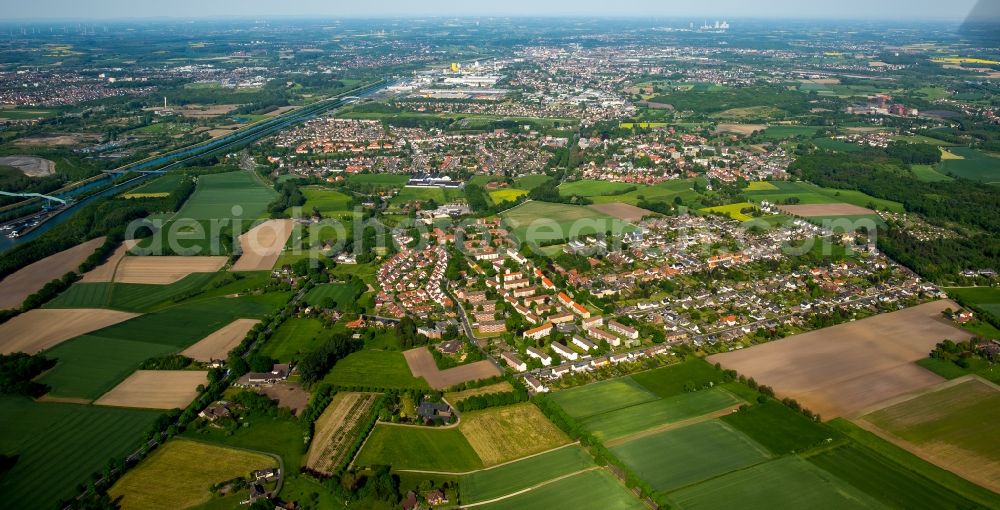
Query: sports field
x,y
294,338
947,426
687,455
180,473
515,476
541,221
502,434
228,195
415,447
845,369
788,482
595,489
78,436
40,329
372,368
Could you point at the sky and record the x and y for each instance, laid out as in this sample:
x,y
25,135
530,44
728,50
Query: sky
x,y
723,9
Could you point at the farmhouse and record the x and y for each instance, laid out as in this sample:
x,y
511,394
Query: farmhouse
x,y
539,332
626,331
215,411
277,374
539,355
513,361
564,352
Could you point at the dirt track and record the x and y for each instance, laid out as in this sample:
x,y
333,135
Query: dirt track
x,y
29,279
218,344
164,270
156,389
40,329
421,363
262,245
845,369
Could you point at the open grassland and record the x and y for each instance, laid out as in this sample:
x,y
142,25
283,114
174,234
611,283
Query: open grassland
x,y
337,429
229,195
164,270
760,186
535,221
675,458
294,338
15,287
325,200
424,194
180,473
844,369
622,211
340,293
972,164
41,329
160,186
788,482
156,389
261,246
218,344
515,476
947,426
530,182
595,489
507,195
927,173
591,188
601,397
502,434
671,380
414,447
731,210
638,418
422,364
372,368
778,428
59,445
782,132
808,193
269,434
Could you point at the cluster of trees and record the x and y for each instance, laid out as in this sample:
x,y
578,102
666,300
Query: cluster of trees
x,y
406,333
17,371
168,362
958,353
315,364
915,153
548,191
477,402
288,196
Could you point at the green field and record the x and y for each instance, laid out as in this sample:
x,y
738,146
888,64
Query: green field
x,y
782,132
630,420
760,186
270,434
780,429
163,184
809,193
832,144
543,221
670,380
601,397
518,475
986,298
590,188
374,369
975,165
788,482
218,194
60,445
414,447
927,173
439,195
327,201
387,180
132,297
22,114
530,182
295,337
675,458
339,292
595,489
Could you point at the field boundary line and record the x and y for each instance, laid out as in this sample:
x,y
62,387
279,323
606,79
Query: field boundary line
x,y
672,425
424,471
533,487
948,383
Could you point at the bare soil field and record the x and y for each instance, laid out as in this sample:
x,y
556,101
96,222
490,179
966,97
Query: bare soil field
x,y
262,245
280,110
218,344
222,131
164,270
29,279
822,81
217,110
156,389
106,271
58,139
808,210
288,395
422,364
845,369
740,129
39,329
622,211
32,166
949,425
329,447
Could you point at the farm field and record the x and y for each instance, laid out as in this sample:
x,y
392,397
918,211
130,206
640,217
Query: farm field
x,y
17,286
77,435
388,180
601,397
371,368
508,194
218,344
514,476
731,210
845,369
421,364
502,434
40,329
295,337
156,389
825,210
928,173
622,211
422,194
325,200
594,489
532,181
261,246
788,482
160,186
760,186
973,164
946,426
106,271
414,447
543,221
135,297
180,473
336,430
986,298
228,195
670,380
641,417
778,428
808,193
164,270
675,458
590,188
781,132
340,293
